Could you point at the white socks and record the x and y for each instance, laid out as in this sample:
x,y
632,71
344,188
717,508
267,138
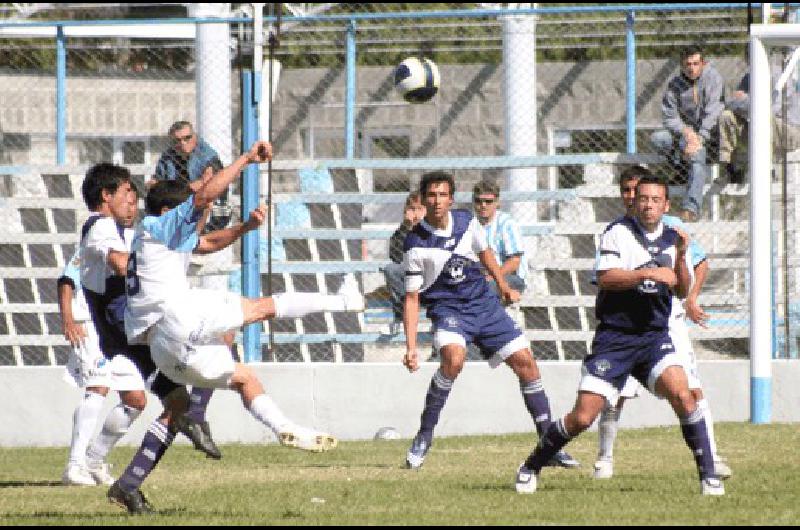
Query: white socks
x,y
84,421
295,305
117,423
267,412
607,432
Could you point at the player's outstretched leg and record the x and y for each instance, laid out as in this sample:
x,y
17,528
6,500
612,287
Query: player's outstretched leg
x,y
115,426
266,411
535,398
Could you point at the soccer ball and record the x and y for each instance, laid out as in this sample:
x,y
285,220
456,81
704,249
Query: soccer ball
x,y
417,79
387,433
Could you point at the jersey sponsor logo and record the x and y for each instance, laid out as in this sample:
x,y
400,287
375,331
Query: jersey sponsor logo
x,y
602,366
455,268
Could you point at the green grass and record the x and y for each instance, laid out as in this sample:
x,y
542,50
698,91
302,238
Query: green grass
x,y
465,480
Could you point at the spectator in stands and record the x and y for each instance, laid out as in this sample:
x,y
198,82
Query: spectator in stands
x,y
734,127
191,159
413,212
691,106
502,234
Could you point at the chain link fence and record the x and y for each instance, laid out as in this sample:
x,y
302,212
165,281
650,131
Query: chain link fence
x,y
124,90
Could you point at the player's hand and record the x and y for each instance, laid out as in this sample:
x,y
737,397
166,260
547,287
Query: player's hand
x,y
411,360
696,313
257,217
509,295
260,152
73,332
663,275
683,240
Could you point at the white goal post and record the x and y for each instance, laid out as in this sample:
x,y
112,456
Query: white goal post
x,y
762,37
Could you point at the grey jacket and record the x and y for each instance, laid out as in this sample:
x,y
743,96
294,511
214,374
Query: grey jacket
x,y
696,104
741,107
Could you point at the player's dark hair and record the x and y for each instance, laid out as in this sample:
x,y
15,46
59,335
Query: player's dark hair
x,y
166,194
633,172
434,177
102,177
486,187
653,179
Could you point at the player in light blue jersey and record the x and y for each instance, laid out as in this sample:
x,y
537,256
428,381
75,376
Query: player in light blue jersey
x,y
641,263
698,269
443,258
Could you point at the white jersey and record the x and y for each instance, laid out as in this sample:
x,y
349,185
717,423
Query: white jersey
x,y
100,235
157,268
694,257
72,275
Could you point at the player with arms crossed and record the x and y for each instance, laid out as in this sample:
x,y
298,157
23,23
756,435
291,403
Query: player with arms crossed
x,y
607,426
640,262
443,254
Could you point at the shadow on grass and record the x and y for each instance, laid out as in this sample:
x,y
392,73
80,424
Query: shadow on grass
x,y
30,483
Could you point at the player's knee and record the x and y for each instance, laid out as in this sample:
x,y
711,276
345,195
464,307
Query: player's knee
x,y
684,402
134,399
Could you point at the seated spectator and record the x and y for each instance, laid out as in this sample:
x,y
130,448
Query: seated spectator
x,y
413,213
191,159
690,109
502,234
734,127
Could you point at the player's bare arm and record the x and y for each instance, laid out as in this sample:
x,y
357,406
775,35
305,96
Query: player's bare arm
x,y
693,309
684,278
410,323
489,262
118,261
260,152
73,332
622,280
219,239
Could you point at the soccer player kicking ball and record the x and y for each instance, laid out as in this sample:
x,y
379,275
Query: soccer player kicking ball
x,y
641,261
443,257
185,327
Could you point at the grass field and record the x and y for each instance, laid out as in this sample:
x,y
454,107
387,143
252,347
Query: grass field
x,y
465,480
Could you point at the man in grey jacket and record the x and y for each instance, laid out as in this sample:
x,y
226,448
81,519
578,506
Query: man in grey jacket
x,y
691,106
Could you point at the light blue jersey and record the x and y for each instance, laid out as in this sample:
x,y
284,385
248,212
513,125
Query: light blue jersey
x,y
503,236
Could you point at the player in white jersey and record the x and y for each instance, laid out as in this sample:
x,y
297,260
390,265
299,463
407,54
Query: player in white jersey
x,y
678,331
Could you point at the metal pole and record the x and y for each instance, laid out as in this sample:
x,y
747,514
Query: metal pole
x,y
630,93
760,231
350,92
250,190
61,97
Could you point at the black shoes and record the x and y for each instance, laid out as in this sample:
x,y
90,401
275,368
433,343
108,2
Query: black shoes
x,y
199,433
134,501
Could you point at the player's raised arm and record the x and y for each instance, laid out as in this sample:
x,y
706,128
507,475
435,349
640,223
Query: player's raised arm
x,y
260,152
219,239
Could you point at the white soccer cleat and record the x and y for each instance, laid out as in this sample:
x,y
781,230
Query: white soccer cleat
x,y
353,299
526,480
603,469
712,486
722,469
101,473
307,439
77,475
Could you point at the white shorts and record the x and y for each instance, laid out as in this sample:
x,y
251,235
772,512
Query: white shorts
x,y
88,367
443,337
679,333
187,343
632,389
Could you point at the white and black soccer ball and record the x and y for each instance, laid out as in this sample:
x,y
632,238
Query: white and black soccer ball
x,y
417,79
387,433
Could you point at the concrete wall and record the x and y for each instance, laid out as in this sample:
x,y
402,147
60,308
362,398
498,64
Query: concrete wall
x,y
353,401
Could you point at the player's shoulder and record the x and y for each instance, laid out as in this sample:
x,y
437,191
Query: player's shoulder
x,y
419,236
100,225
621,224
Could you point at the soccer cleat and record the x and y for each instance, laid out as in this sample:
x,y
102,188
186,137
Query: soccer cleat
x,y
722,469
77,475
307,439
353,299
101,473
133,501
199,433
712,486
603,469
563,459
420,446
526,480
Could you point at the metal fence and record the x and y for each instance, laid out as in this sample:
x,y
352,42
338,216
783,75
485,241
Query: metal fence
x,y
583,81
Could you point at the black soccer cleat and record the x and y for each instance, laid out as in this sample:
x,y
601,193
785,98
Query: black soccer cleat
x,y
199,433
133,501
563,459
